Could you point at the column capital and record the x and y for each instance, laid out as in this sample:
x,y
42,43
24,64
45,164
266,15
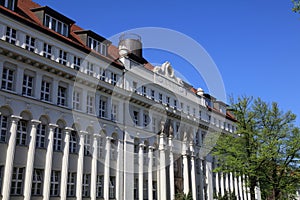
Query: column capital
x,y
142,145
96,135
108,138
151,148
53,126
35,122
69,129
15,118
83,133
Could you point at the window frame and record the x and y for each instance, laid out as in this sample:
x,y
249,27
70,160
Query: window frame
x,y
11,35
8,79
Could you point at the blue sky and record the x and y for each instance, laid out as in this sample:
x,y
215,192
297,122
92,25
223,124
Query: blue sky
x,y
255,44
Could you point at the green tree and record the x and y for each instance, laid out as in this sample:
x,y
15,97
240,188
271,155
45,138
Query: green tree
x,y
296,7
265,148
182,196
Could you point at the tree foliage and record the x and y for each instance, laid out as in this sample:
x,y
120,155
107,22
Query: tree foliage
x,y
182,196
265,148
296,7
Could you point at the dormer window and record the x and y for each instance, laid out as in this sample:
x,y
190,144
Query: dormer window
x,y
10,4
97,46
53,20
56,25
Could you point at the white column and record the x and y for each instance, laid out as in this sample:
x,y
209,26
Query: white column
x,y
209,180
141,172
30,160
226,182
65,165
150,173
241,188
106,168
171,171
236,187
10,154
162,168
193,171
80,165
48,164
217,184
231,182
222,184
245,187
94,168
119,172
128,166
186,187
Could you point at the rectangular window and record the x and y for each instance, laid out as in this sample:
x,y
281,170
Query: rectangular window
x,y
3,128
188,109
17,181
152,94
54,184
10,4
99,186
90,69
194,112
113,78
86,185
144,91
102,74
30,43
160,97
47,51
175,104
56,25
112,187
97,46
76,100
168,101
62,96
37,179
73,142
7,79
11,35
76,63
40,136
145,119
62,59
135,189
114,112
57,144
27,88
134,86
45,91
136,118
154,183
103,108
87,145
90,104
1,175
71,185
21,132
101,147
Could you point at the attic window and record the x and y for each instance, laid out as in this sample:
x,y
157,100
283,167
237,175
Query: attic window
x,y
56,25
97,46
10,4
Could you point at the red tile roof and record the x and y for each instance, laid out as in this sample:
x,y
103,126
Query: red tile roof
x,y
24,12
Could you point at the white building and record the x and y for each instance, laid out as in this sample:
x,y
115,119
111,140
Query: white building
x,y
83,119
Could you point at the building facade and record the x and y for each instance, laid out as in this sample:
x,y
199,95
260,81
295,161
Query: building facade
x,y
81,118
